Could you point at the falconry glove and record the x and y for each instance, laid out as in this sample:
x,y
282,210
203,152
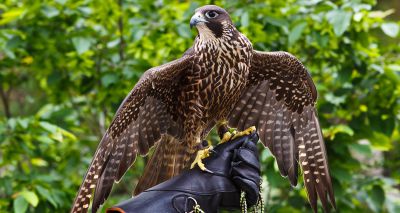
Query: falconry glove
x,y
245,170
235,168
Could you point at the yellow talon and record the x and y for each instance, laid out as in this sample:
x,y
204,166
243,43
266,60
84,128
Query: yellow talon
x,y
227,136
201,154
247,131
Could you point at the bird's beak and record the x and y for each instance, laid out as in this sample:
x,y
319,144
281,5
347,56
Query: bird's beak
x,y
197,18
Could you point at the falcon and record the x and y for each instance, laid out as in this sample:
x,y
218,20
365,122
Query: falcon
x,y
220,81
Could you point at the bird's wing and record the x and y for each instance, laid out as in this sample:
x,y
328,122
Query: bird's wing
x,y
147,113
279,100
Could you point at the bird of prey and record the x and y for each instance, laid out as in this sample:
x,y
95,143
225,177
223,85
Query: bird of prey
x,y
219,81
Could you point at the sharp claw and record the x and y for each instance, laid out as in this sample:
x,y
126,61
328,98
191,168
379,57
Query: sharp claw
x,y
213,151
193,164
209,171
203,167
201,154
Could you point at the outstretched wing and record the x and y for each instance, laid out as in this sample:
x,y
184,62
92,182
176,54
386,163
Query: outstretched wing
x,y
279,100
147,113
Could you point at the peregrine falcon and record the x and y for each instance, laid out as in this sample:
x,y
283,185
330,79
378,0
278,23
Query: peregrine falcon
x,y
220,81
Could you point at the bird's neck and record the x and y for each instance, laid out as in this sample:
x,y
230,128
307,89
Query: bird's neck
x,y
230,42
206,40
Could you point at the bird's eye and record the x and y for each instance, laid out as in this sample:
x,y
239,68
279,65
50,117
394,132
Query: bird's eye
x,y
211,14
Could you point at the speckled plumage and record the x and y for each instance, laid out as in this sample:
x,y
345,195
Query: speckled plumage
x,y
221,77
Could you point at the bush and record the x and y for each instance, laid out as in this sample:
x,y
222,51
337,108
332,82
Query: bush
x,y
65,66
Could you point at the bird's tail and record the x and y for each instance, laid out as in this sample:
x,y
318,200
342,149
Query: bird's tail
x,y
170,157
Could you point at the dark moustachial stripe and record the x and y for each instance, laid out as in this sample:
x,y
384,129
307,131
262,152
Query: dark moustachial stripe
x,y
216,28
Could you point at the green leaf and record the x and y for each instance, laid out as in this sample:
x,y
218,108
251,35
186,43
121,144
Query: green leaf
x,y
11,15
340,20
380,141
336,100
46,194
20,205
24,123
48,126
296,32
394,67
245,19
50,12
184,31
31,197
390,28
341,128
81,44
68,134
38,162
363,149
109,79
359,7
341,174
265,154
279,22
86,10
45,139
381,14
62,2
113,43
273,176
138,34
377,196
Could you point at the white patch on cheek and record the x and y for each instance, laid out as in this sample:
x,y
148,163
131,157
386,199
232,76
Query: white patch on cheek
x,y
205,33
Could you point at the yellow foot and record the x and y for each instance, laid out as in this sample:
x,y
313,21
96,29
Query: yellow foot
x,y
247,131
201,154
226,137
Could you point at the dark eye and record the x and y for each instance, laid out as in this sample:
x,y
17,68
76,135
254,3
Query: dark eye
x,y
211,14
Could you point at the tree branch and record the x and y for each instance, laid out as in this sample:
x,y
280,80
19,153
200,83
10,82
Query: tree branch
x,y
6,103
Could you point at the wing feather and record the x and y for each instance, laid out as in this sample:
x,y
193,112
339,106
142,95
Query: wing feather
x,y
241,106
147,113
252,110
287,120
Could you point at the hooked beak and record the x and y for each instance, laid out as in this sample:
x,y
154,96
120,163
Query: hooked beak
x,y
197,18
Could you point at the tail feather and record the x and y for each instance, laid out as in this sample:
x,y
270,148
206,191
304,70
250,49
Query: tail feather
x,y
168,160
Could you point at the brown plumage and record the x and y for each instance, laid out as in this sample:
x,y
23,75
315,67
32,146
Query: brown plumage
x,y
168,159
221,77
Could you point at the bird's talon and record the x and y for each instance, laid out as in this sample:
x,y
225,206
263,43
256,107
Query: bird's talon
x,y
213,151
226,137
201,154
247,131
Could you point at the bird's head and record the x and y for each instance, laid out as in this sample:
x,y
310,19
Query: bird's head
x,y
211,22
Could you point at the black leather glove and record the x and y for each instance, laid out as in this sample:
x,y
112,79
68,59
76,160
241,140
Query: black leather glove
x,y
245,170
234,167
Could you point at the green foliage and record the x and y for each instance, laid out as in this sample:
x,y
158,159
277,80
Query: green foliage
x,y
66,65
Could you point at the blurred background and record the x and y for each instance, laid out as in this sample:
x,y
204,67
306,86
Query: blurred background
x,y
66,65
